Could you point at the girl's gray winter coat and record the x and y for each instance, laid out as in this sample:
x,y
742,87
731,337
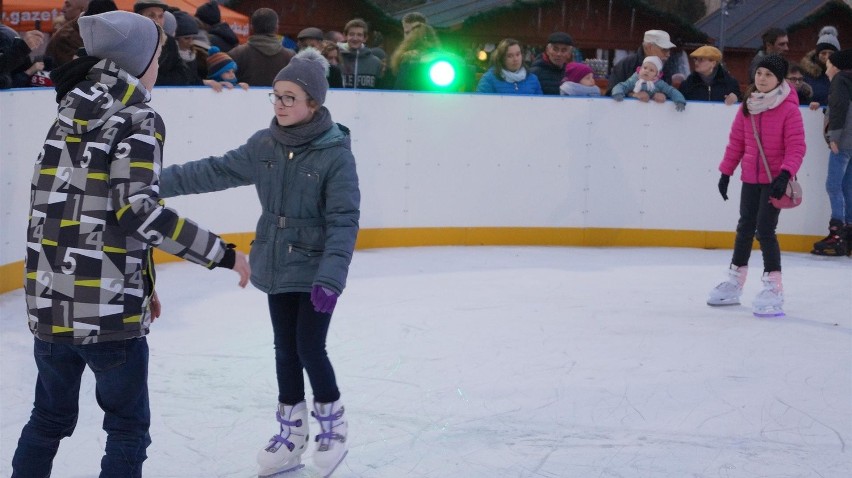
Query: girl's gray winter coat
x,y
310,199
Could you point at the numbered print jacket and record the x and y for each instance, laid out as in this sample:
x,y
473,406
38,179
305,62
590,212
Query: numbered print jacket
x,y
95,213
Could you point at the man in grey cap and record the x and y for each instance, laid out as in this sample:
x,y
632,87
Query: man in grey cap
x,y
312,37
309,37
94,201
549,67
654,43
263,56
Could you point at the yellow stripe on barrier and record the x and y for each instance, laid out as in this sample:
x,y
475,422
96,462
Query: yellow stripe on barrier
x,y
11,275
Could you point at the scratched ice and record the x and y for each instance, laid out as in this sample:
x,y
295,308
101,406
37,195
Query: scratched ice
x,y
491,362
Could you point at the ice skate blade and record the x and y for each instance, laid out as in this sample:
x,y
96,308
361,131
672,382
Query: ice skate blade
x,y
768,314
828,253
723,303
280,473
327,473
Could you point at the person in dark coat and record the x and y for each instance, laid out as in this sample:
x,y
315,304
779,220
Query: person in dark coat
x,y
796,77
15,53
654,43
65,41
549,66
219,33
814,65
262,57
195,58
710,81
838,135
775,42
408,62
361,69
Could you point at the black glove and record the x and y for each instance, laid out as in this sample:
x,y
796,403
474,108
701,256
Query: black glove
x,y
779,184
229,259
723,185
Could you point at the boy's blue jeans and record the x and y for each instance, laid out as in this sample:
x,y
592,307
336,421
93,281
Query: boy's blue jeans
x,y
121,376
838,184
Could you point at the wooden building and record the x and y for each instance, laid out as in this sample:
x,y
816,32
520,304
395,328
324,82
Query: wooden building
x,y
745,22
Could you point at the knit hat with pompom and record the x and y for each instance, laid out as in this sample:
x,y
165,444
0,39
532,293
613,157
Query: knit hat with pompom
x,y
828,39
309,70
218,62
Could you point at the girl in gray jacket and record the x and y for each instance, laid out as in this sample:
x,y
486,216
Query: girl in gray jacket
x,y
304,173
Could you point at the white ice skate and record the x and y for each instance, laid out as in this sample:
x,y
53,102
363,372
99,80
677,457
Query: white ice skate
x,y
331,442
284,451
729,291
769,301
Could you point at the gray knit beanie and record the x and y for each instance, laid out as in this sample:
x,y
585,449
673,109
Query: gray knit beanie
x,y
128,39
309,70
186,25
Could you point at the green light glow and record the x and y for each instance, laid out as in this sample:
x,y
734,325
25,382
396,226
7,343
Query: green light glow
x,y
442,73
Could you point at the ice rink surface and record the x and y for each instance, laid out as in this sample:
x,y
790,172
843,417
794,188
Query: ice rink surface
x,y
495,362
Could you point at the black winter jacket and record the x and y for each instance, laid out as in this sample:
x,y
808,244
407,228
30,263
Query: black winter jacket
x,y
549,75
694,88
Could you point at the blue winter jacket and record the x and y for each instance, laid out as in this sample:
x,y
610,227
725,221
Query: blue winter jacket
x,y
490,83
310,200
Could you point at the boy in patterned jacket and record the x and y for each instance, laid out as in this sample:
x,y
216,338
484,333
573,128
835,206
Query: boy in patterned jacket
x,y
95,214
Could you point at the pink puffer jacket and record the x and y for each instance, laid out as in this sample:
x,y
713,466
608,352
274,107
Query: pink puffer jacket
x,y
783,137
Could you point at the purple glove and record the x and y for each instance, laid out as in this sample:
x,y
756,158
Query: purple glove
x,y
323,298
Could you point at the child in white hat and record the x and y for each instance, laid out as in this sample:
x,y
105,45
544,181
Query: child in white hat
x,y
647,84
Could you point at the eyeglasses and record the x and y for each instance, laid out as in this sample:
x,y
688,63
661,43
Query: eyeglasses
x,y
796,79
285,100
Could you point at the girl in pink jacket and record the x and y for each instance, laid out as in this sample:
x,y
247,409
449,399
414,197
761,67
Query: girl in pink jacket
x,y
771,109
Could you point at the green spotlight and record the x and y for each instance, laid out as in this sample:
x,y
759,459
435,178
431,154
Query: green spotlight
x,y
442,73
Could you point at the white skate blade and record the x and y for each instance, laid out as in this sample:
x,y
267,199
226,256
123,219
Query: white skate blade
x,y
722,302
280,472
768,312
326,473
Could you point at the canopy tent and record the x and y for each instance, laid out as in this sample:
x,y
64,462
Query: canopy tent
x,y
22,14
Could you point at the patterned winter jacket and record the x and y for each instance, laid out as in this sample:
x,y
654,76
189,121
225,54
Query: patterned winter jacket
x,y
95,213
782,135
310,200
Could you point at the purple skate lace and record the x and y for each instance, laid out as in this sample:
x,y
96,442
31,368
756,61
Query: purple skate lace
x,y
278,439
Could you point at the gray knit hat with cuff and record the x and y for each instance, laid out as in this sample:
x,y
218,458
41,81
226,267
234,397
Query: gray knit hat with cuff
x,y
128,39
309,70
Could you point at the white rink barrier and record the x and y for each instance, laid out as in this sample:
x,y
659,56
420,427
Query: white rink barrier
x,y
464,168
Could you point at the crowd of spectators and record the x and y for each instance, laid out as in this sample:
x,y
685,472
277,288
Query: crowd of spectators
x,y
358,59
